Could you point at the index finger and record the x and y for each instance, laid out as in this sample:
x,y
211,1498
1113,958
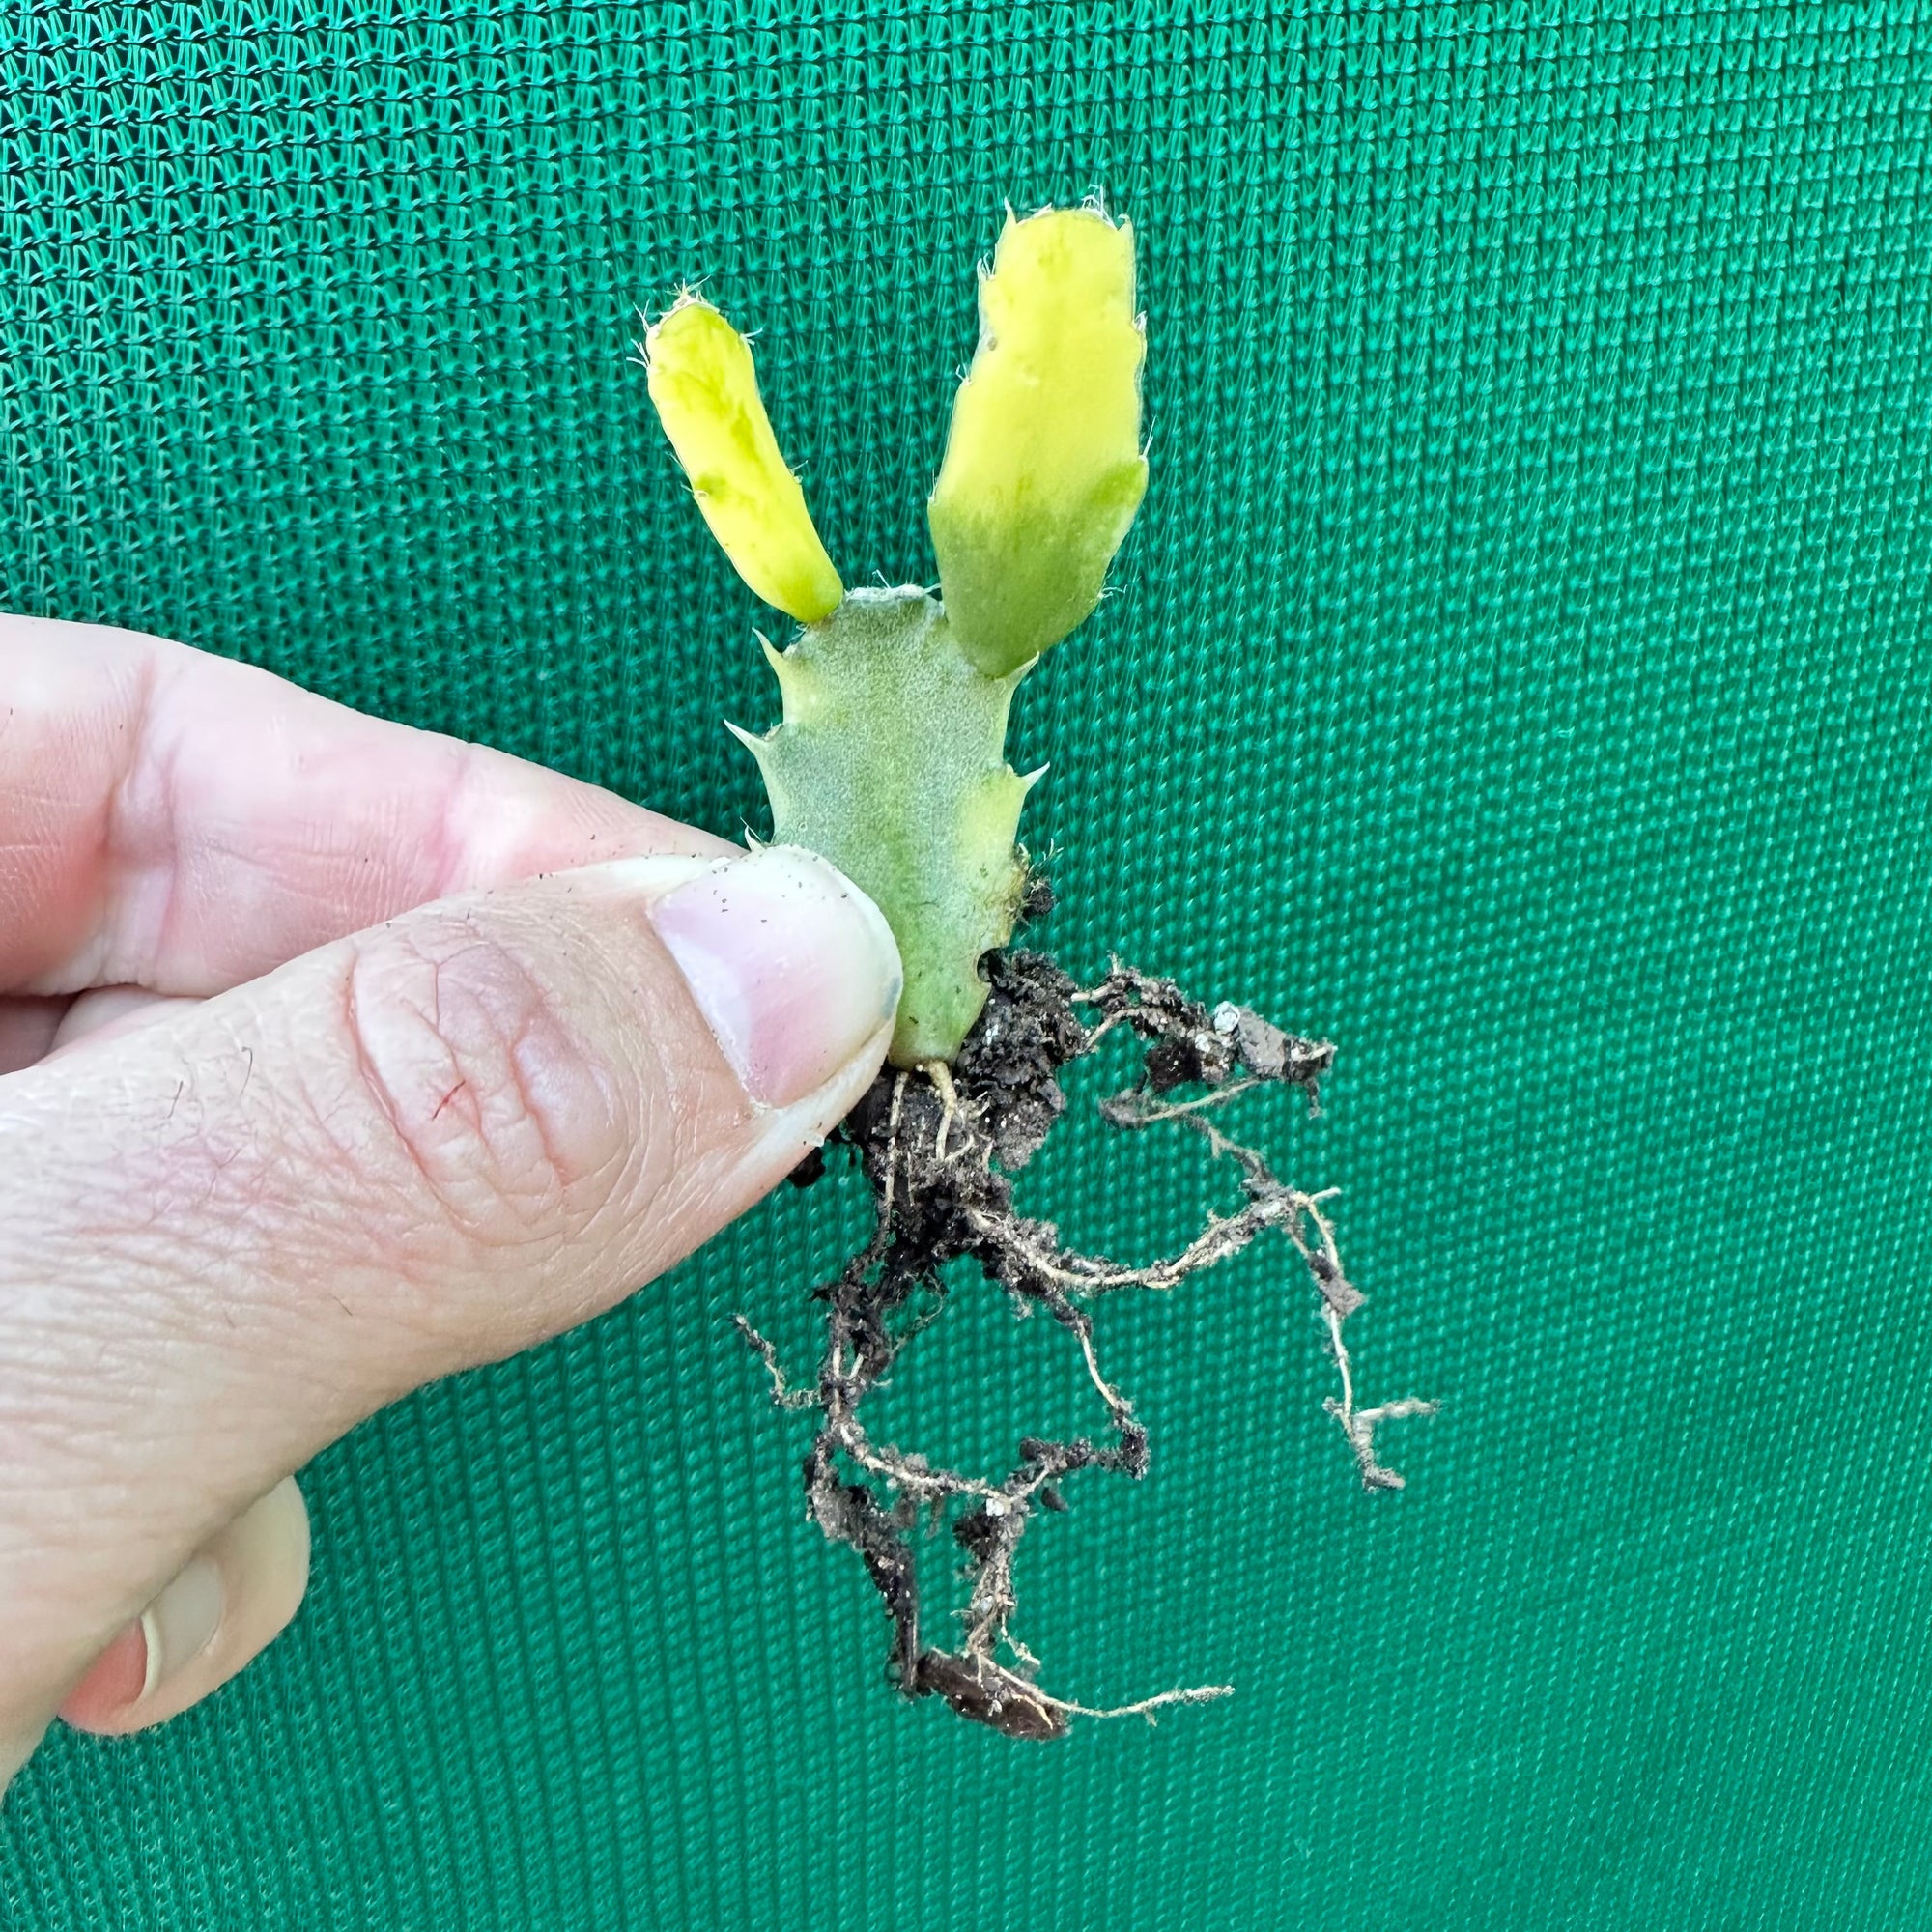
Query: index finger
x,y
183,822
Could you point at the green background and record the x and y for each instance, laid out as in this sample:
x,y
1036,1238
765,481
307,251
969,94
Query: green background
x,y
1519,673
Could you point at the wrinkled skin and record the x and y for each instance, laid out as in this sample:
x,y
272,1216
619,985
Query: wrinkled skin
x,y
326,1070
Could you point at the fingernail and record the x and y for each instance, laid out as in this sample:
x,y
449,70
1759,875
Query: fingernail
x,y
790,963
181,1623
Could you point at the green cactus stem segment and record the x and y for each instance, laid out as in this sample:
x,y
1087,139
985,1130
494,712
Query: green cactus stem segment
x,y
890,762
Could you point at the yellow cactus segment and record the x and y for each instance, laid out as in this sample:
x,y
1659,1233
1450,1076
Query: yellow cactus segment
x,y
1044,469
706,393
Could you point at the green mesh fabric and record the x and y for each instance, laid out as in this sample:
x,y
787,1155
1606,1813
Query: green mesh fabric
x,y
1519,673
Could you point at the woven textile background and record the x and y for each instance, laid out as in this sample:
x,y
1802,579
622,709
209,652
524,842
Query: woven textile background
x,y
1519,673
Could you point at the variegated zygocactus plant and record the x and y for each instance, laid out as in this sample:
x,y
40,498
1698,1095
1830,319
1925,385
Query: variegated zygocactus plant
x,y
890,760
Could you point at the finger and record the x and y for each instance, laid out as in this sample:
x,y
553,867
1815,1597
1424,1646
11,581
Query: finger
x,y
27,1029
183,822
32,1027
229,1601
111,1011
235,1231
18,1742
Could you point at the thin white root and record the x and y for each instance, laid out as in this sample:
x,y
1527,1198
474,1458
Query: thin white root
x,y
1359,1424
1205,1693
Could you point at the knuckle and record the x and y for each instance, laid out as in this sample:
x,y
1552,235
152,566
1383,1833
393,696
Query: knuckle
x,y
487,1098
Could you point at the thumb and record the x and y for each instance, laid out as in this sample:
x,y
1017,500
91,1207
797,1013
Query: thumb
x,y
237,1231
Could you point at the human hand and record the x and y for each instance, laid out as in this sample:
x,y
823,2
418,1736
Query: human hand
x,y
325,1071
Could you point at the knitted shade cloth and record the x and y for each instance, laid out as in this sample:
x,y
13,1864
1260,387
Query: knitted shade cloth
x,y
1518,674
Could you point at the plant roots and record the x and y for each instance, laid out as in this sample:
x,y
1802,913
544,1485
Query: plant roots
x,y
938,1147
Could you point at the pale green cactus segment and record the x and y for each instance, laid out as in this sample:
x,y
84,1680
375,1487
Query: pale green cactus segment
x,y
706,391
1044,469
890,762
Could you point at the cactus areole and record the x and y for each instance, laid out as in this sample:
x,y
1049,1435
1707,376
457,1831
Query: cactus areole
x,y
891,756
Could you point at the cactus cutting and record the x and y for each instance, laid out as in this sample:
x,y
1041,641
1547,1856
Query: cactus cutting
x,y
890,760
